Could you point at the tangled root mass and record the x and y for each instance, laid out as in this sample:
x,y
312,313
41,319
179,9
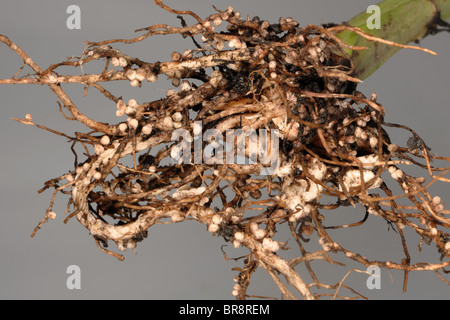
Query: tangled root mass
x,y
296,84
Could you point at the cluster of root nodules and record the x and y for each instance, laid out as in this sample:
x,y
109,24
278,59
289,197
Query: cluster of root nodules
x,y
294,85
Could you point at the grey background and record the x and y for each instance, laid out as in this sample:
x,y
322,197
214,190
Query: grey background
x,y
181,261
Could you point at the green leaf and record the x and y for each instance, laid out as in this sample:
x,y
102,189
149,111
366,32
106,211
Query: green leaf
x,y
401,21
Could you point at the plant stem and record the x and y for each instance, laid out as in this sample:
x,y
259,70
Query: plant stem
x,y
401,21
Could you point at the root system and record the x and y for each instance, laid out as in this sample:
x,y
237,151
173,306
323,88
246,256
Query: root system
x,y
292,83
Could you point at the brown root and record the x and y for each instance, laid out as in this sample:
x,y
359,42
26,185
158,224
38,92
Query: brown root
x,y
293,84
